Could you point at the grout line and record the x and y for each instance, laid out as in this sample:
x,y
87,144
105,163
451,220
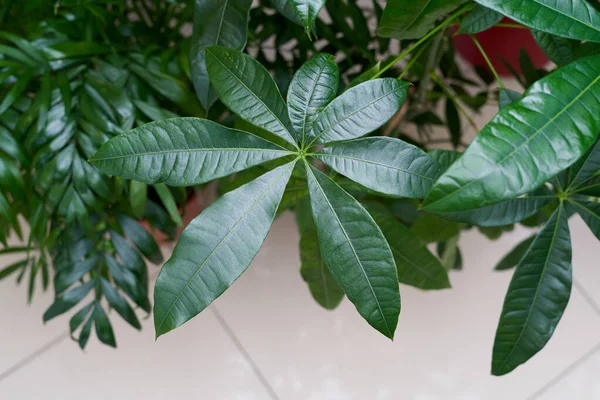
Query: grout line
x,y
586,296
565,372
33,356
263,380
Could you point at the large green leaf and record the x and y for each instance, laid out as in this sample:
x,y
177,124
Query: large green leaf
x,y
360,110
246,87
513,257
575,19
585,169
527,143
417,266
216,22
68,300
286,9
560,50
479,19
183,152
590,213
537,296
216,248
504,213
322,284
307,11
413,19
356,252
386,165
314,86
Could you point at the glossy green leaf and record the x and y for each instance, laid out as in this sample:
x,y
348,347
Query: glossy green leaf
x,y
575,19
560,50
515,256
321,283
386,165
68,300
216,22
314,86
103,327
216,248
141,238
590,213
129,257
15,91
183,152
138,195
84,335
129,283
445,158
307,11
417,266
166,197
356,252
585,169
247,89
537,296
68,276
479,19
286,9
527,143
507,97
117,302
77,319
504,213
413,19
359,110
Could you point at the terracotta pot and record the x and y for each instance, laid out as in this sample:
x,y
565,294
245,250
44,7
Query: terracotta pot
x,y
501,43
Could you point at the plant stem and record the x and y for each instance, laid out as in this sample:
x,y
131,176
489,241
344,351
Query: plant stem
x,y
424,38
487,60
412,61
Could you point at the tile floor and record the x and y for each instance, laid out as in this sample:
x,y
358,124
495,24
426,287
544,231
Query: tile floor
x,y
266,339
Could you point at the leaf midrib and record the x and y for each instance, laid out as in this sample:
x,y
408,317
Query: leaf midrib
x,y
216,149
539,286
352,113
308,168
517,149
567,15
282,125
312,92
233,228
374,163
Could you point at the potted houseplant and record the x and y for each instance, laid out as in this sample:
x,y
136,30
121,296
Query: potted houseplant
x,y
350,151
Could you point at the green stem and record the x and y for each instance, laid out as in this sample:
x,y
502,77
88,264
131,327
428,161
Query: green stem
x,y
424,38
412,61
487,60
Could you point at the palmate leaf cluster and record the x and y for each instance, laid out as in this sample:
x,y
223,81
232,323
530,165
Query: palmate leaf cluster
x,y
369,195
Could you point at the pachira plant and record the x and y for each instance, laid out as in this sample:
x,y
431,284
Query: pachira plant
x,y
354,151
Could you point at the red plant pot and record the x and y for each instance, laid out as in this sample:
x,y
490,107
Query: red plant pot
x,y
501,43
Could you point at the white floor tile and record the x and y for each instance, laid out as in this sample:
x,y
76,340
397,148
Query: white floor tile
x,y
579,384
443,343
586,258
199,361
